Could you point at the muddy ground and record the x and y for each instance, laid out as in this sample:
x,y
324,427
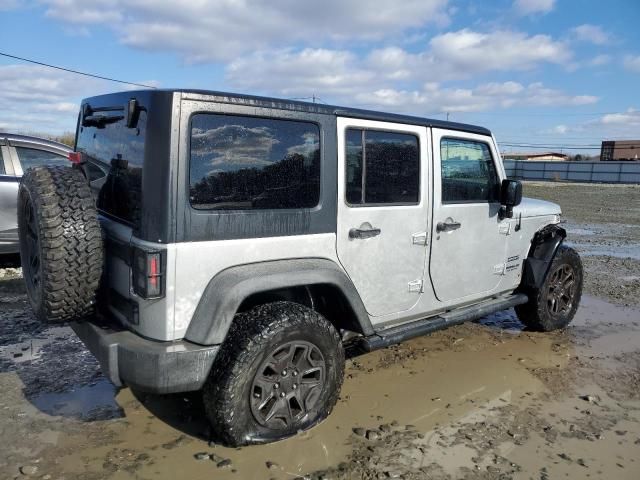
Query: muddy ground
x,y
484,400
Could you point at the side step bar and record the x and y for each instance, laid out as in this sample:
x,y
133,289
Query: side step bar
x,y
394,335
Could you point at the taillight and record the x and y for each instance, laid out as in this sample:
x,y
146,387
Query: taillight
x,y
76,157
148,273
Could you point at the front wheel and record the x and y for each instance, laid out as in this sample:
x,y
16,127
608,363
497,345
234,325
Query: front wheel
x,y
554,304
278,372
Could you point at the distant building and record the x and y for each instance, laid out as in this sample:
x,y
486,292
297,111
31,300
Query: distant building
x,y
617,150
548,156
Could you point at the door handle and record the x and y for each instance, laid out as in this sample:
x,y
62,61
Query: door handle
x,y
364,232
447,226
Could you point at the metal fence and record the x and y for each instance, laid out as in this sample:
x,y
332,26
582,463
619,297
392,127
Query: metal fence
x,y
601,172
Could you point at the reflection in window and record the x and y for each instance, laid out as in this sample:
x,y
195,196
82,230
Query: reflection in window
x,y
468,172
115,155
253,163
389,163
31,157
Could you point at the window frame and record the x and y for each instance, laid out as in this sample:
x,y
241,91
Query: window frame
x,y
493,161
245,211
364,169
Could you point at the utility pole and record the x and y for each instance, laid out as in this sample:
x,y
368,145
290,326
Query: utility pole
x,y
447,116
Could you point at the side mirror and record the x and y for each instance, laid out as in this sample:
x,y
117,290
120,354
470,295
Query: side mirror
x,y
510,196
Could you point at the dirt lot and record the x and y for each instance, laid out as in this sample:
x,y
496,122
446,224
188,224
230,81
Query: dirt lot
x,y
485,400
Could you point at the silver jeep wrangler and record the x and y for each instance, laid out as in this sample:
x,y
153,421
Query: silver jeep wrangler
x,y
229,243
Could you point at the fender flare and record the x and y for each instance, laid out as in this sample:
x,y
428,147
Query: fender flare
x,y
544,247
228,289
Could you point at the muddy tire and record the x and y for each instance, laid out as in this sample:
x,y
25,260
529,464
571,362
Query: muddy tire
x,y
278,372
554,304
61,247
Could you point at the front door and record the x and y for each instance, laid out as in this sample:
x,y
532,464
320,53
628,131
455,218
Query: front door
x,y
383,211
469,238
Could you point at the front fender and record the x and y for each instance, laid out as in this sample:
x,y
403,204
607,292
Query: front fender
x,y
543,249
227,290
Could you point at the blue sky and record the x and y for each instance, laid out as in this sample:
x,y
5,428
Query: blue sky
x,y
548,72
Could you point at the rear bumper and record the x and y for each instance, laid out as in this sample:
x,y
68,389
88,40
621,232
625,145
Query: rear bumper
x,y
147,365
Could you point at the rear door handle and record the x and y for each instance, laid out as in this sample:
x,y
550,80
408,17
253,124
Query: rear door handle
x,y
447,226
364,232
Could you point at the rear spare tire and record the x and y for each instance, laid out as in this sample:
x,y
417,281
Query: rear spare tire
x,y
60,243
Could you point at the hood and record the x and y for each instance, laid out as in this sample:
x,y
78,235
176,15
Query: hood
x,y
532,207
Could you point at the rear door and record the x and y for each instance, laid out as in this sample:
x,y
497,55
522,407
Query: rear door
x,y
383,211
469,238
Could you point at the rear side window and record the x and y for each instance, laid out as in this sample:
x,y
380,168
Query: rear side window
x,y
382,167
31,157
252,163
468,172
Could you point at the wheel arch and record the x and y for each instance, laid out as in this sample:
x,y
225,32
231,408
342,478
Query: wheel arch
x,y
317,283
544,246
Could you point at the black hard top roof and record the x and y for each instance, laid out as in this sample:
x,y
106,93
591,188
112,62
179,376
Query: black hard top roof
x,y
318,108
298,105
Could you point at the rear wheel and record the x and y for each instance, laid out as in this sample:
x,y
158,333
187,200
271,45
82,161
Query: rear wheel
x,y
554,304
60,243
278,372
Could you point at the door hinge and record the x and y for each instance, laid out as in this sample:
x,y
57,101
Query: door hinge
x,y
419,238
416,286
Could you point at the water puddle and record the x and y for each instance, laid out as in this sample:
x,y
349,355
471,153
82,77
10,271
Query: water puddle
x,y
580,231
89,402
631,250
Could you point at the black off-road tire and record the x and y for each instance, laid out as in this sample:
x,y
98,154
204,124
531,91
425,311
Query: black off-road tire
x,y
61,247
252,338
538,313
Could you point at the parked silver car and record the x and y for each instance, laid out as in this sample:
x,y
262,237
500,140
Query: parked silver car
x,y
17,154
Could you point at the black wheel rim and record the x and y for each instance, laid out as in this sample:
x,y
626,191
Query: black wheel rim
x,y
561,290
31,262
288,385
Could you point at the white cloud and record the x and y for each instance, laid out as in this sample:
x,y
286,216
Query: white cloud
x,y
529,7
630,118
469,51
215,30
599,60
38,99
377,80
454,55
560,129
632,63
432,98
591,34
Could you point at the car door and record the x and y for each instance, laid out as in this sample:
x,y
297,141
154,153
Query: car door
x,y
8,203
383,211
469,237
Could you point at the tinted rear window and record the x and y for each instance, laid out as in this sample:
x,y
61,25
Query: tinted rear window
x,y
117,155
249,163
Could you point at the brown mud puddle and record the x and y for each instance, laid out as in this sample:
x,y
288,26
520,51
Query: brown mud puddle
x,y
484,400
